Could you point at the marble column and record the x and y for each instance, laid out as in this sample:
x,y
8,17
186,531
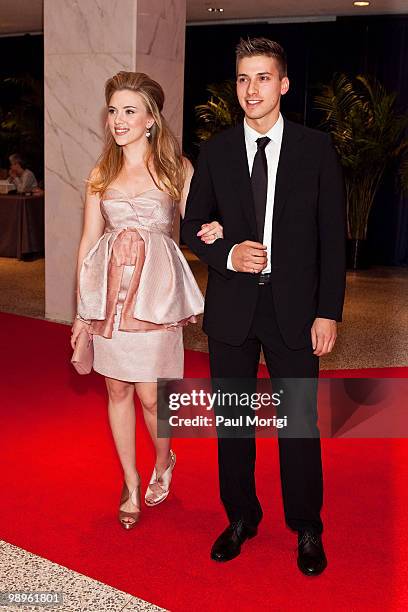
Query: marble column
x,y
84,44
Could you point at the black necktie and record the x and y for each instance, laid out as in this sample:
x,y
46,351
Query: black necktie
x,y
259,180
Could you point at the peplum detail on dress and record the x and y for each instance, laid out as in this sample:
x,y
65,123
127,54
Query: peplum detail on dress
x,y
162,292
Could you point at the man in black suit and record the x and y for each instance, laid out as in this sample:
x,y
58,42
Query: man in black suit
x,y
276,280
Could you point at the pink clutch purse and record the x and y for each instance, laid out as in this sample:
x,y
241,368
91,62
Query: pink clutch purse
x,y
83,356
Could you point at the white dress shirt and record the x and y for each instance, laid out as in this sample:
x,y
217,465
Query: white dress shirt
x,y
272,151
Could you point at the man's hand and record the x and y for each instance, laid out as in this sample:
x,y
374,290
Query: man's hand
x,y
249,256
324,334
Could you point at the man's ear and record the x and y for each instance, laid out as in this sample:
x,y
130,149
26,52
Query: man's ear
x,y
284,85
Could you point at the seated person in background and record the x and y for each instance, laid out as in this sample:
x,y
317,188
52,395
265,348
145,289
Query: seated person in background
x,y
21,176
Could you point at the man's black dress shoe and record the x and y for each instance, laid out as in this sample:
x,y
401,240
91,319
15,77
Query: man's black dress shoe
x,y
228,545
311,558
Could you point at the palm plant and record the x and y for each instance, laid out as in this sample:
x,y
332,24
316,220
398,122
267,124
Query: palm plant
x,y
222,110
369,135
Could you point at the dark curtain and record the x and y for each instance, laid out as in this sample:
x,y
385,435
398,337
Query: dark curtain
x,y
387,59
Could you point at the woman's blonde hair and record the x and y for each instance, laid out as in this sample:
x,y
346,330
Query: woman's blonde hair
x,y
164,153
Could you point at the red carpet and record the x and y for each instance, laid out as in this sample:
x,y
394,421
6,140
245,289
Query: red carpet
x,y
60,482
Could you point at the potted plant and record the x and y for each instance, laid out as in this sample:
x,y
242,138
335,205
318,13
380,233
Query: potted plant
x,y
369,135
221,111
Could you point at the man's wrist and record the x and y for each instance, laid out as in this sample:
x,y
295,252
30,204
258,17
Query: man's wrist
x,y
229,260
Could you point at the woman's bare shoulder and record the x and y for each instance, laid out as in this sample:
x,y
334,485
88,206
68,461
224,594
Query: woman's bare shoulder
x,y
93,179
188,167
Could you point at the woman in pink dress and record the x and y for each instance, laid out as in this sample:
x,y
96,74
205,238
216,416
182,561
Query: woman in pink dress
x,y
135,289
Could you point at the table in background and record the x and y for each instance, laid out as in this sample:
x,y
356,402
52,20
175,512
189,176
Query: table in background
x,y
21,225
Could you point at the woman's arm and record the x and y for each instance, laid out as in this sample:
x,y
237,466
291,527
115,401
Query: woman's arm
x,y
93,228
201,206
189,170
209,232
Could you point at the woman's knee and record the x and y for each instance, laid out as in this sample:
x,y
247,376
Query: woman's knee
x,y
147,393
149,403
118,390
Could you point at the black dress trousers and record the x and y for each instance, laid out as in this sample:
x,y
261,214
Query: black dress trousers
x,y
299,443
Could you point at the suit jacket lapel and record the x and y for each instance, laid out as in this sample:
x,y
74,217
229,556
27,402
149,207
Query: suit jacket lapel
x,y
241,178
289,152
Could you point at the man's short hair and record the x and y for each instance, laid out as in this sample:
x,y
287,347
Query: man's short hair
x,y
262,46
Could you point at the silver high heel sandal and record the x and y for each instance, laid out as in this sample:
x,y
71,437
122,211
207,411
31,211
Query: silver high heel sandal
x,y
159,487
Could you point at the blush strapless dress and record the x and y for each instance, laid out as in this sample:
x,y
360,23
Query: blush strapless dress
x,y
138,290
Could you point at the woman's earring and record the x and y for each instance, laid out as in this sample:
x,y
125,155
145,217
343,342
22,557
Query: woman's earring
x,y
147,132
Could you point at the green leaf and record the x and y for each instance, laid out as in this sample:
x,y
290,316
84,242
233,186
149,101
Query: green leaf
x,y
220,111
369,135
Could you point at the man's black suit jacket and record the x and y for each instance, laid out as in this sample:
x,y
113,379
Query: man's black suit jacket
x,y
308,234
